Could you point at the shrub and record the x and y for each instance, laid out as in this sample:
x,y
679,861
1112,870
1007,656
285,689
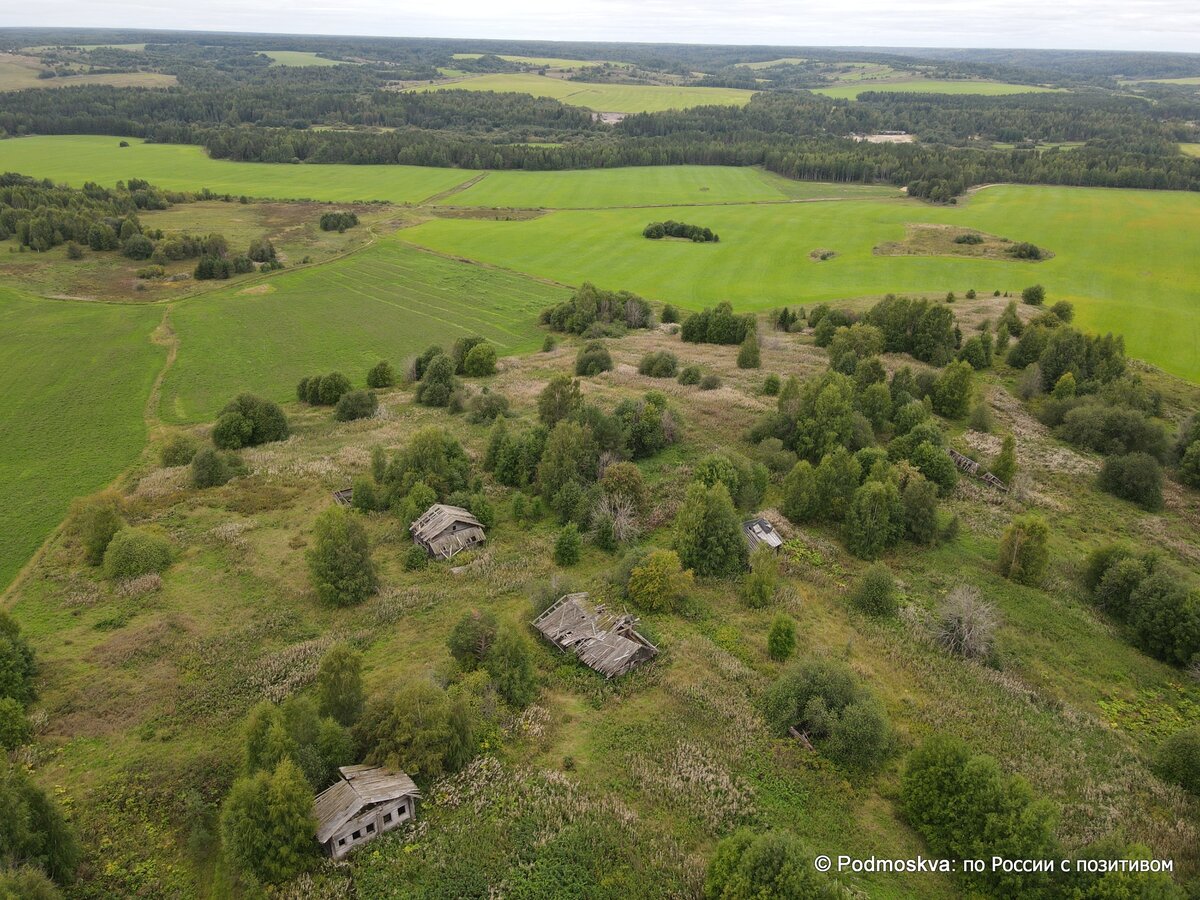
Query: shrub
x,y
1024,550
1189,465
511,669
660,364
1035,295
690,375
480,361
338,220
178,451
486,407
472,638
716,326
1178,759
593,359
919,500
669,315
138,247
267,824
213,468
267,421
710,382
232,431
437,382
1004,466
261,250
980,418
136,551
14,726
624,480
756,867
549,343
761,582
382,375
875,593
331,388
708,533
967,624
1136,477
356,405
961,803
558,399
339,560
770,386
415,558
97,519
822,699
781,639
567,545
952,393
749,356
33,831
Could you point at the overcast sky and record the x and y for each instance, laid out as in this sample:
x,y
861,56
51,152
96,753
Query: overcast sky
x,y
1076,24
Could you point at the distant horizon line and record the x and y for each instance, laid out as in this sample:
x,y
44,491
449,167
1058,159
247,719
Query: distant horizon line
x,y
502,40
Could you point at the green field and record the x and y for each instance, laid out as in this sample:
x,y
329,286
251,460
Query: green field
x,y
1190,149
297,58
929,86
646,186
74,378
20,72
550,62
621,98
1125,258
387,302
75,159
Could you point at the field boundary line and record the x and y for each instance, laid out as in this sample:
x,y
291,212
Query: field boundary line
x,y
782,202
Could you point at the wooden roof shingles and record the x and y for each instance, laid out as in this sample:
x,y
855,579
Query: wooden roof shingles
x,y
602,641
446,529
359,786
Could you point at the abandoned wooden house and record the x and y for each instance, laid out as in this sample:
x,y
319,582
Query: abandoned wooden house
x,y
759,531
968,465
343,497
364,803
445,530
604,641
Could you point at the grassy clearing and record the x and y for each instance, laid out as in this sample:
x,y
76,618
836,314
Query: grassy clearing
x,y
550,62
1190,149
291,227
1123,257
644,186
929,86
74,378
145,694
386,302
298,58
21,72
75,159
621,98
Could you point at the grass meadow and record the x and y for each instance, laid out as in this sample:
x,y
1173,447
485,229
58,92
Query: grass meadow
x,y
621,98
298,58
1190,149
386,302
75,159
1125,258
929,86
74,378
145,686
647,186
20,72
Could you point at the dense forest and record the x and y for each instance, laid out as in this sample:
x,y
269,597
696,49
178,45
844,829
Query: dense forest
x,y
230,100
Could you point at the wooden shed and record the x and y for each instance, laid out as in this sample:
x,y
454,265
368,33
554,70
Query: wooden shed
x,y
603,641
445,530
364,803
759,531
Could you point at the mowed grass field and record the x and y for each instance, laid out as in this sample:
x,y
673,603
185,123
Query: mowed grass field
x,y
1127,259
622,98
297,58
1190,149
21,72
389,302
646,186
75,159
929,86
74,378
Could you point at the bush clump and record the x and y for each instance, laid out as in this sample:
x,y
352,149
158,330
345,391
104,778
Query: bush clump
x,y
1178,759
875,593
248,421
710,382
660,364
480,361
356,405
178,451
136,551
1136,477
339,560
213,468
593,359
382,375
690,375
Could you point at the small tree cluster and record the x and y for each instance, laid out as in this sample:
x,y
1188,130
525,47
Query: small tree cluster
x,y
747,866
593,312
478,641
339,560
696,233
338,220
381,375
658,583
717,325
136,551
323,390
1024,550
659,364
593,358
708,534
